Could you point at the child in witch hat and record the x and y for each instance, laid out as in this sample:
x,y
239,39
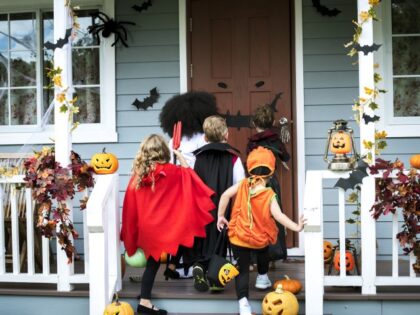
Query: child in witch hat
x,y
252,226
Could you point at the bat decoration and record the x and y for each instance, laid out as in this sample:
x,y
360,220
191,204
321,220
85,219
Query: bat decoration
x,y
324,10
147,101
259,84
60,42
143,7
109,26
355,178
366,49
369,119
222,85
244,121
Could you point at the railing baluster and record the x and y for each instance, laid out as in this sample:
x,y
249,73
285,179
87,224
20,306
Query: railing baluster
x,y
86,238
45,255
410,265
395,245
15,230
2,240
342,230
30,231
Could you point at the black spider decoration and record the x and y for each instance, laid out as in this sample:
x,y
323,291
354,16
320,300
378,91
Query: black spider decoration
x,y
108,27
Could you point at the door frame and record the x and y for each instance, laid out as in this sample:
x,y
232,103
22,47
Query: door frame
x,y
297,96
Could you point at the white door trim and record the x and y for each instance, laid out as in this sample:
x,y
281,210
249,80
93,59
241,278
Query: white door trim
x,y
299,93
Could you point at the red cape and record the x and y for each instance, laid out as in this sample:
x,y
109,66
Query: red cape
x,y
171,215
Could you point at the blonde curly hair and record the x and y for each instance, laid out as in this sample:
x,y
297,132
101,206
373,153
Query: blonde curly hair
x,y
153,149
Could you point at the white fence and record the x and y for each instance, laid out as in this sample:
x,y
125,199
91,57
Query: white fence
x,y
33,252
315,280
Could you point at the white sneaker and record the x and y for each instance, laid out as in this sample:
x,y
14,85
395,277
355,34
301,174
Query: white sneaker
x,y
262,282
244,307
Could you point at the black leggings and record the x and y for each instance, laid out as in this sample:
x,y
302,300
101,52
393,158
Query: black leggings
x,y
148,279
243,256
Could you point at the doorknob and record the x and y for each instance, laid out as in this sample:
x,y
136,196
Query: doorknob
x,y
284,130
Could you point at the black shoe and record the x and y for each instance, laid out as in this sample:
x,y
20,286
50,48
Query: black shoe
x,y
169,273
152,311
200,281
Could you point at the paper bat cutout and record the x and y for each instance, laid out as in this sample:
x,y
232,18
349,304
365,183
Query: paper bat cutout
x,y
147,101
369,119
355,178
60,42
324,10
244,121
143,7
366,49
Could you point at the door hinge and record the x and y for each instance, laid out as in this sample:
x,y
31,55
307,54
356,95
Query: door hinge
x,y
191,70
190,24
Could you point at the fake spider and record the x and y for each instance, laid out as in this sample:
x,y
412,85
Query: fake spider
x,y
108,27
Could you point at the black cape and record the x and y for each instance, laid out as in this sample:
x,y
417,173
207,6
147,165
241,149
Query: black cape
x,y
214,165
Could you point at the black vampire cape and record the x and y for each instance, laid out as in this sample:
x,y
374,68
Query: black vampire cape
x,y
214,165
270,139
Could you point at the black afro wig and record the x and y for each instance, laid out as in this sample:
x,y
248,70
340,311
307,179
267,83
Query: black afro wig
x,y
191,108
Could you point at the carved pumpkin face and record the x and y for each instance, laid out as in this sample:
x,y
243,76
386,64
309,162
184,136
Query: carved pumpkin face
x,y
104,163
119,308
227,273
349,261
280,302
327,251
340,143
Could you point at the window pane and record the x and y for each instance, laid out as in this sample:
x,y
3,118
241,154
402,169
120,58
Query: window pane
x,y
22,68
47,99
3,70
406,97
23,31
405,16
85,66
88,100
23,106
406,55
4,110
48,27
48,63
83,37
4,31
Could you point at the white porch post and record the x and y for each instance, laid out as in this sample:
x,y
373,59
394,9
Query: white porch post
x,y
62,125
367,132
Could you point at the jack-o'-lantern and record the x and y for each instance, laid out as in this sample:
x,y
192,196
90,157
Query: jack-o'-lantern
x,y
138,260
227,272
291,285
340,143
415,161
280,302
349,261
104,163
118,308
328,251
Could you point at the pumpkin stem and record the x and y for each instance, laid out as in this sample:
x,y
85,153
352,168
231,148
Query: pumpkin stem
x,y
279,289
286,277
103,150
117,299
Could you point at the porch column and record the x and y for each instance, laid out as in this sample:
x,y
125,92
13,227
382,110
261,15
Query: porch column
x,y
367,132
62,125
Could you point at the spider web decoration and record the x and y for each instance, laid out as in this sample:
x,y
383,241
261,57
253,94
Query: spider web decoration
x,y
109,26
325,10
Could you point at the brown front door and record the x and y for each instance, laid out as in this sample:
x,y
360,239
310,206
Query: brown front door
x,y
240,50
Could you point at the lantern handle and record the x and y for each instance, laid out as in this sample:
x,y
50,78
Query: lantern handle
x,y
327,146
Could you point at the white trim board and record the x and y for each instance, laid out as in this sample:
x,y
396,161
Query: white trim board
x,y
299,101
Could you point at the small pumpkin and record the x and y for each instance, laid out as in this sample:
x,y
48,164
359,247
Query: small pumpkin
x,y
138,260
340,142
163,257
280,302
350,262
104,163
415,161
118,308
291,285
328,251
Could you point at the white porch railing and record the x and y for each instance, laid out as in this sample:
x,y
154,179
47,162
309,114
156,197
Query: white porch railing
x,y
101,241
315,280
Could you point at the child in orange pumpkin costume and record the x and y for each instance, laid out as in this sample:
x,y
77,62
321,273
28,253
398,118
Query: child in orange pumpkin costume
x,y
252,226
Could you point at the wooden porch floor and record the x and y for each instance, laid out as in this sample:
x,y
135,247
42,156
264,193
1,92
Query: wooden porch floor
x,y
183,288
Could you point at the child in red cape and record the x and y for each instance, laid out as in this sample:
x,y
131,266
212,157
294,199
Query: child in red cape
x,y
151,222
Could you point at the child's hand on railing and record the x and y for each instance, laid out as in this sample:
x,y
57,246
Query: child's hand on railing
x,y
221,222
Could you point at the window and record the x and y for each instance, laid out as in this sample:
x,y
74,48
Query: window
x,y
401,56
24,93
